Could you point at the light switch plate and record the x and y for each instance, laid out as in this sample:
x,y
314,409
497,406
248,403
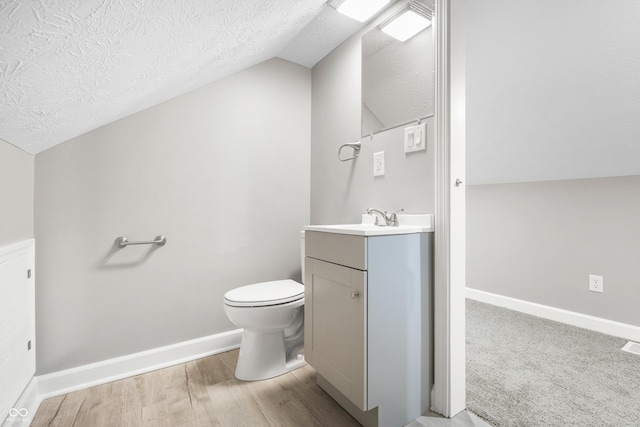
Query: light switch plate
x,y
415,138
378,163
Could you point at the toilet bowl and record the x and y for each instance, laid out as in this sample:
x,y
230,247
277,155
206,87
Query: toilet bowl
x,y
272,316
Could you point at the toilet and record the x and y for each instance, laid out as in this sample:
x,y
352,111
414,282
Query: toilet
x,y
272,316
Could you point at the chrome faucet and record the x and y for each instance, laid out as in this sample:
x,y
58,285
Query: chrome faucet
x,y
389,219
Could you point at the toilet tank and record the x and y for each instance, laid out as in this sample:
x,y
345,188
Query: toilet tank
x,y
302,254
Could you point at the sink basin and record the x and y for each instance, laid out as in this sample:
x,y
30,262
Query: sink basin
x,y
409,223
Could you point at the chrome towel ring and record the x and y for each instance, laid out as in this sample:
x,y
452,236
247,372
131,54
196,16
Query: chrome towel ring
x,y
356,151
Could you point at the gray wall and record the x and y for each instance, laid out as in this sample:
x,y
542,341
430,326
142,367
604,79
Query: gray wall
x,y
552,115
222,171
16,194
340,192
539,241
552,90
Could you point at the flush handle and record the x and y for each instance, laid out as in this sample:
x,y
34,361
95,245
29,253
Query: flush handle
x,y
355,294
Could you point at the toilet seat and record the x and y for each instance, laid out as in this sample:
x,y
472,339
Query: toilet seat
x,y
265,294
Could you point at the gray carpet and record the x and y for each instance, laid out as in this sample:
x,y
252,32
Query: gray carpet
x,y
527,371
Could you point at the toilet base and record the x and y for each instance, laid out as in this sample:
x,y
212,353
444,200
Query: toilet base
x,y
263,356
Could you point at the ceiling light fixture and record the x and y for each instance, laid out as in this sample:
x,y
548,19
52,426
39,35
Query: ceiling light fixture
x,y
408,22
360,10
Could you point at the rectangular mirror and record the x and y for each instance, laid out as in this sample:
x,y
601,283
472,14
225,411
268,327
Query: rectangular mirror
x,y
398,77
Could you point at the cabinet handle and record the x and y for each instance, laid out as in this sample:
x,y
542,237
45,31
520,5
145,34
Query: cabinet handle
x,y
355,294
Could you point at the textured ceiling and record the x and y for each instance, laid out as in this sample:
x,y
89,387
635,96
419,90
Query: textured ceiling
x,y
67,67
320,37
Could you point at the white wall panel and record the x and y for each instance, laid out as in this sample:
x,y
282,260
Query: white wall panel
x,y
17,323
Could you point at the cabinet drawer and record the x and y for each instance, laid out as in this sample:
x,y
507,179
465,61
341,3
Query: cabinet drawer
x,y
343,249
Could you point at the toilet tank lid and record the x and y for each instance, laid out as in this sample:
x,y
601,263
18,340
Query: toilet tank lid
x,y
265,293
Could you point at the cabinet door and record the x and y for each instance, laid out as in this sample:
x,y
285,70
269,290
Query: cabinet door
x,y
335,326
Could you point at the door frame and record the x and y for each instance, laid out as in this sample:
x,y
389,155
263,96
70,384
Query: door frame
x,y
448,395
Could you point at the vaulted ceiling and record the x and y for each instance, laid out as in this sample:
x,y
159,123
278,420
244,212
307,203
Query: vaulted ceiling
x,y
68,67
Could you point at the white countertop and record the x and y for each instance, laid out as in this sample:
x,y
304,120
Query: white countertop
x,y
409,223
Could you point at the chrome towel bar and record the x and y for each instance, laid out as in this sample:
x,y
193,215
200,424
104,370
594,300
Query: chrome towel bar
x,y
123,241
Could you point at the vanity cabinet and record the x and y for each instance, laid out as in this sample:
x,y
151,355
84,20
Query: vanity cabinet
x,y
368,322
337,326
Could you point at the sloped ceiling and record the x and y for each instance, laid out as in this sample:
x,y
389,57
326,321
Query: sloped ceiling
x,y
67,67
554,100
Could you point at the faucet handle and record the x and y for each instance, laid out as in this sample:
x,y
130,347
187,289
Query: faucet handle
x,y
393,220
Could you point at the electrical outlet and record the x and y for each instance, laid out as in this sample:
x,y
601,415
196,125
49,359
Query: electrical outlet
x,y
378,163
596,283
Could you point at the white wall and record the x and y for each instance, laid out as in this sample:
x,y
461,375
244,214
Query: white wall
x,y
341,192
552,118
16,188
222,171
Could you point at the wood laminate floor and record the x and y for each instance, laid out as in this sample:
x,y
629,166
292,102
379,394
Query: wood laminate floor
x,y
205,392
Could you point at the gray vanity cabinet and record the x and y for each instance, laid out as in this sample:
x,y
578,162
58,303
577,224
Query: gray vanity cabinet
x,y
337,327
368,322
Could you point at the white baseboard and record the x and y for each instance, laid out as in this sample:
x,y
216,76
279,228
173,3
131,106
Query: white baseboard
x,y
26,407
61,382
598,324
